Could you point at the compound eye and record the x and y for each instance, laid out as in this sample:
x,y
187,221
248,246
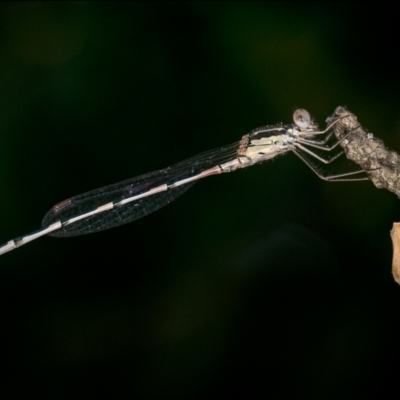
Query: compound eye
x,y
301,118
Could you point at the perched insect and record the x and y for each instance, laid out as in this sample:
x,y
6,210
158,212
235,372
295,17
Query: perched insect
x,y
134,198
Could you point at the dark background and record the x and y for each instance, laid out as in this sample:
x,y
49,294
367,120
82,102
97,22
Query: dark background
x,y
267,280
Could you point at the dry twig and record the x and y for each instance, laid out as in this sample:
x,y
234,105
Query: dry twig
x,y
382,165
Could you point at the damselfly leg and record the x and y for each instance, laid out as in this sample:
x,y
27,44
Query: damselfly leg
x,y
301,144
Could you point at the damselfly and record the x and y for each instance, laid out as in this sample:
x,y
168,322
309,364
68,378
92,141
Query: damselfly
x,y
134,198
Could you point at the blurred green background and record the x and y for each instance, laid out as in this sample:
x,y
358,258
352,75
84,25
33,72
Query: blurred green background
x,y
265,282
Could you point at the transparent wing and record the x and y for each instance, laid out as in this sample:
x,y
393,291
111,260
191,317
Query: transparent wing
x,y
129,212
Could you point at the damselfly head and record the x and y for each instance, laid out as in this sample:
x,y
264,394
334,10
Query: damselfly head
x,y
302,118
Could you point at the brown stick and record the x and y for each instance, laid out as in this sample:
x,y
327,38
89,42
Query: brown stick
x,y
382,165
